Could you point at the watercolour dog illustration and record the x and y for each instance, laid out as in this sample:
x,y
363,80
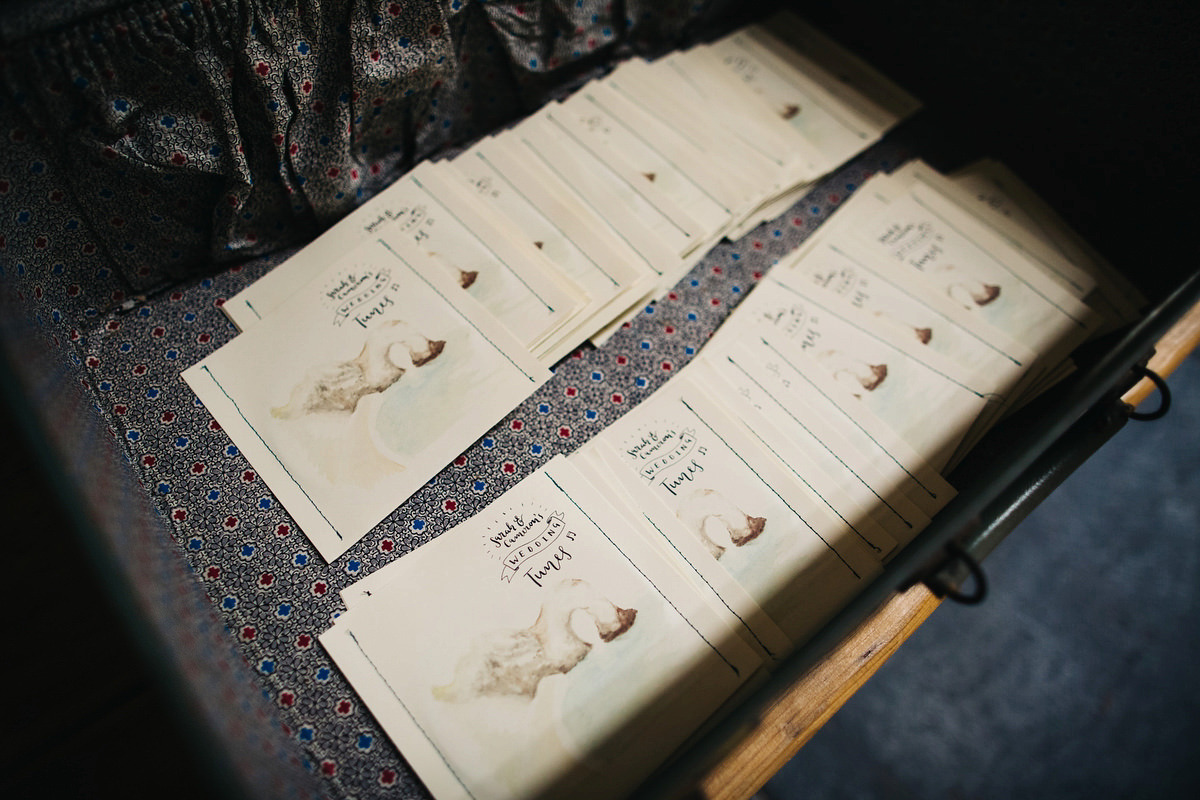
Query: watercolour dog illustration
x,y
923,334
339,387
968,292
511,663
857,374
466,278
704,508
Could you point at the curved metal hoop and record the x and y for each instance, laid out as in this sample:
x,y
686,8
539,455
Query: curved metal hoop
x,y
1164,394
943,589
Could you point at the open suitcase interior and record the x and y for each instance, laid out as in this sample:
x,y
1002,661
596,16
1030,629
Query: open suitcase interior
x,y
1094,107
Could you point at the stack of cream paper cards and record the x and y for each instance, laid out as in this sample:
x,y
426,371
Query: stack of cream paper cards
x,y
984,287
735,510
481,271
361,386
541,649
571,637
1027,222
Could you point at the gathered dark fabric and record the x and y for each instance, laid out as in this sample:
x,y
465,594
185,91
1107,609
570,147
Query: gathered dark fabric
x,y
201,133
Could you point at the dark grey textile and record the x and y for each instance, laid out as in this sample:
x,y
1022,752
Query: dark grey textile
x,y
196,134
1076,678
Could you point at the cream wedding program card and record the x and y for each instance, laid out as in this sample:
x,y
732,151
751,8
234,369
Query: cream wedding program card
x,y
361,387
620,133
700,70
798,560
646,219
646,514
562,203
562,228
745,141
841,73
539,649
913,227
886,462
812,462
1006,202
711,175
834,129
510,278
602,466
1045,257
749,175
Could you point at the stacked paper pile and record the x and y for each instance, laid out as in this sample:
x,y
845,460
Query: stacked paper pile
x,y
353,380
552,651
990,290
697,540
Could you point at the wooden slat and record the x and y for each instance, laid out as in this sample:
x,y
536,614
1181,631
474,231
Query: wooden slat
x,y
1169,353
796,717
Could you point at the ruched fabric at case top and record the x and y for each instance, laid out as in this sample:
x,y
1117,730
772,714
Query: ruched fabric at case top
x,y
200,133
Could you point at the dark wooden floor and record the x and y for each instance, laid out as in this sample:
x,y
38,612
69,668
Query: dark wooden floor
x,y
83,716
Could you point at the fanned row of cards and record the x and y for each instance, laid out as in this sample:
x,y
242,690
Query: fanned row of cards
x,y
600,614
968,280
360,369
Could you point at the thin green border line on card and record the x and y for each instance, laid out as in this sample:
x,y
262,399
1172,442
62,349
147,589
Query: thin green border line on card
x,y
428,738
886,343
467,228
904,291
828,449
700,575
204,368
1020,279
558,174
517,190
851,419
